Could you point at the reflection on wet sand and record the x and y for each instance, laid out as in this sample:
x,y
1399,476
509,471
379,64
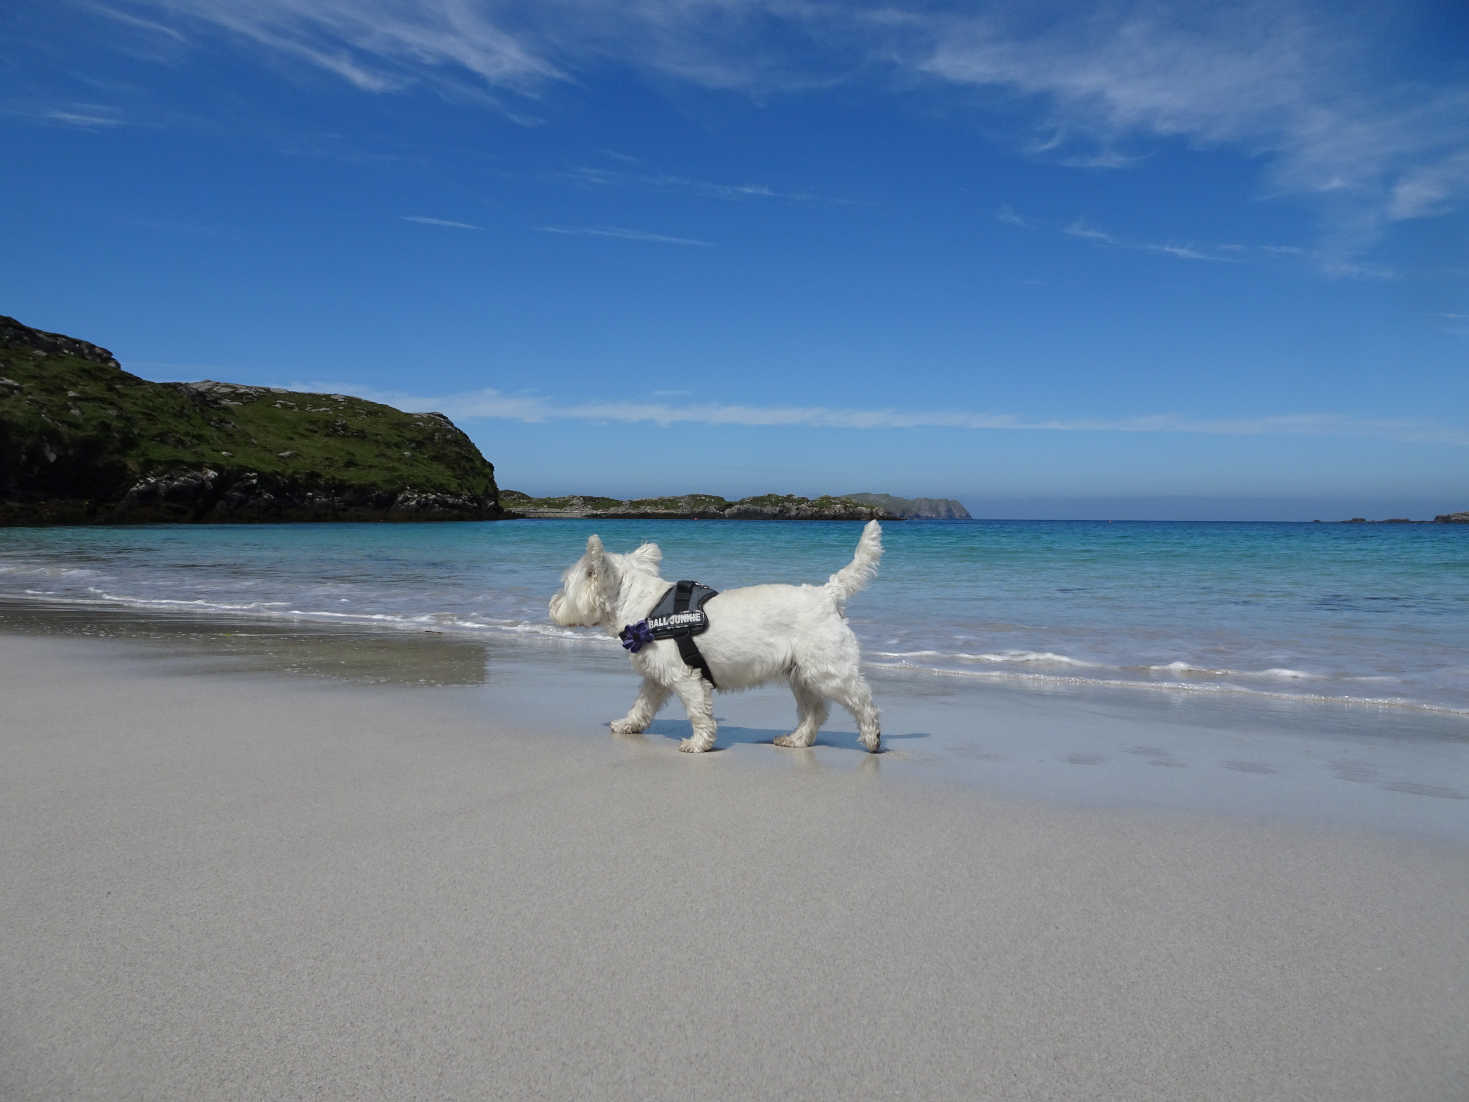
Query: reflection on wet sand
x,y
219,645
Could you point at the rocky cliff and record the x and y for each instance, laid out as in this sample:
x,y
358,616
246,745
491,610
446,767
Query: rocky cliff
x,y
83,441
1452,518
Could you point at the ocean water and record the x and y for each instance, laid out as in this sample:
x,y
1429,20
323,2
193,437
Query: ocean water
x,y
1376,615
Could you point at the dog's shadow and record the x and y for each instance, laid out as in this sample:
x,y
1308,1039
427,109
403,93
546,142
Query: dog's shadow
x,y
677,730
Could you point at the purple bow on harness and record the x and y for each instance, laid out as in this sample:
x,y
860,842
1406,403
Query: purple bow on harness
x,y
635,635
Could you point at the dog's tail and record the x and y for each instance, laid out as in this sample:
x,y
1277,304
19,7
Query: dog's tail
x,y
854,577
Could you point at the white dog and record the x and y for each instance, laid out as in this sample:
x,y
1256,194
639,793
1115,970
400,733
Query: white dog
x,y
756,634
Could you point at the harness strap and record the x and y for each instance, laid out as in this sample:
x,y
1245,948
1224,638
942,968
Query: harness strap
x,y
683,592
689,650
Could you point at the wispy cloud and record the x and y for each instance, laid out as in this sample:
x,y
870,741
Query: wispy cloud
x,y
726,191
426,221
84,119
1007,215
1431,189
1352,269
1298,85
1104,159
1183,252
492,404
621,234
82,116
382,47
137,22
708,189
1081,229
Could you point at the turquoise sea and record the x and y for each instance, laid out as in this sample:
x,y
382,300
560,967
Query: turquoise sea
x,y
1376,615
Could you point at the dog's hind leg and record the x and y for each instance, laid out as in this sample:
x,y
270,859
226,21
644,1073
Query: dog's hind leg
x,y
698,701
650,698
810,715
858,701
852,693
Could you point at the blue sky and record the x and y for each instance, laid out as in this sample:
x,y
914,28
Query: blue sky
x,y
1200,260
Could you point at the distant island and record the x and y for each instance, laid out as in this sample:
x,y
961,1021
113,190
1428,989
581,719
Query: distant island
x,y
1442,518
694,507
84,442
863,506
915,508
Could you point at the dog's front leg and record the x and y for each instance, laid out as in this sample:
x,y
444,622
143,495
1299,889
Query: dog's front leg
x,y
650,698
698,701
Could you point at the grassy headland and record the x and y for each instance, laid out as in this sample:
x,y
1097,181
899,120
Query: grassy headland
x,y
695,507
83,441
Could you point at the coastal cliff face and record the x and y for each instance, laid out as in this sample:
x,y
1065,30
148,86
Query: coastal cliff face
x,y
83,441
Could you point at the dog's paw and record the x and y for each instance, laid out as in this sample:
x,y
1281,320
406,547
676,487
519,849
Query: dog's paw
x,y
694,746
872,744
790,742
625,727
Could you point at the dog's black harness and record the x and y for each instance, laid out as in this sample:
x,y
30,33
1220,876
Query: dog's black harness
x,y
679,615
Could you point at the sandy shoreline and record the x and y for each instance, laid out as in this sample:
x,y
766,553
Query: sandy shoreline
x,y
225,881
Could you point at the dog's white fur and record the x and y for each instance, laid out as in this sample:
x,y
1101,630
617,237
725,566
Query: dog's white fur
x,y
757,634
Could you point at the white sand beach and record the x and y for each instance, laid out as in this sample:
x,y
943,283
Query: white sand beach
x,y
225,880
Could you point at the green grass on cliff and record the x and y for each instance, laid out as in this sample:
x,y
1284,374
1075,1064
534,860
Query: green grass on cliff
x,y
83,441
122,427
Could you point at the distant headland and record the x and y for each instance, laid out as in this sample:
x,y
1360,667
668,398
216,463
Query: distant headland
x,y
864,506
693,507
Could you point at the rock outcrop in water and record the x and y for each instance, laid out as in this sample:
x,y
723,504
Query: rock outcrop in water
x,y
83,441
1452,518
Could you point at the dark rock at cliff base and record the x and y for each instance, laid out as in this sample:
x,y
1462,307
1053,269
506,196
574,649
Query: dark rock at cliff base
x,y
1452,518
83,441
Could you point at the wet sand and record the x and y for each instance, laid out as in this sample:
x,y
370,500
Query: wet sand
x,y
348,867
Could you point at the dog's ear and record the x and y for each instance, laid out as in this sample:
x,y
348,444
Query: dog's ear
x,y
603,575
649,554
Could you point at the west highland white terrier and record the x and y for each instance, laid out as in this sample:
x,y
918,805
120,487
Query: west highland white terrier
x,y
755,635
